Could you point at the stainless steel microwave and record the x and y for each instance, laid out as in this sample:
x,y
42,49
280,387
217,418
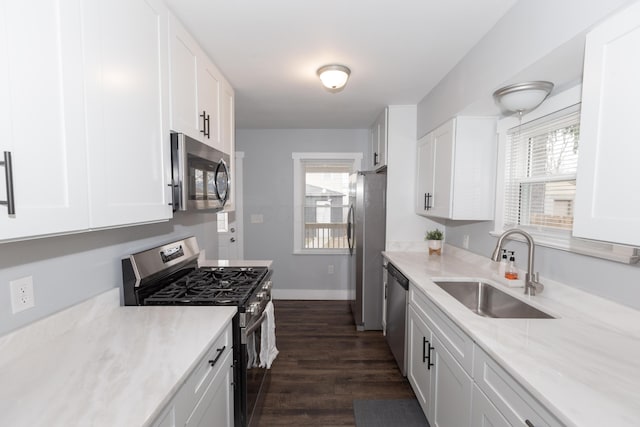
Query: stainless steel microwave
x,y
200,175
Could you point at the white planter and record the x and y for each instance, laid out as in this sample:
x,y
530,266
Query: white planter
x,y
435,247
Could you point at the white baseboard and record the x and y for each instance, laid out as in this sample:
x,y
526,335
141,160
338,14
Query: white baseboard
x,y
311,294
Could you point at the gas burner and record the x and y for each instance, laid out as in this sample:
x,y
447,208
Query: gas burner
x,y
209,286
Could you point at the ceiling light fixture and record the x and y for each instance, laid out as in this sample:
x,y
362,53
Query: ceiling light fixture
x,y
334,77
522,97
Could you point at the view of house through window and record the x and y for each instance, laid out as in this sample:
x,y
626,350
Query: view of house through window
x,y
326,204
542,158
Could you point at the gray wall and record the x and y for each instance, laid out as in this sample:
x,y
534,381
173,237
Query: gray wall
x,y
535,40
532,42
268,191
69,269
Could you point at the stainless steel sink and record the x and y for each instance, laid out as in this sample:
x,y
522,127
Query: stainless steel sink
x,y
487,301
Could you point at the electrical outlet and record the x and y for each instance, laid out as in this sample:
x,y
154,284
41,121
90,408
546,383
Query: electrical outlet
x,y
331,269
21,294
465,241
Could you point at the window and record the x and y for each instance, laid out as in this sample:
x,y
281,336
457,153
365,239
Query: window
x,y
321,201
540,181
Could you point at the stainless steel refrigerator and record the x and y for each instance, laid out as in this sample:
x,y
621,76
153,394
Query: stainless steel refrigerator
x,y
366,236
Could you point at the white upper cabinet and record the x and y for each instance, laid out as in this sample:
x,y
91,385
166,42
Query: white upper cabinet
x,y
227,138
127,87
456,168
607,198
183,54
41,118
198,96
378,133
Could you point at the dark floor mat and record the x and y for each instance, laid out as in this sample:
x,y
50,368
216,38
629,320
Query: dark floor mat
x,y
389,413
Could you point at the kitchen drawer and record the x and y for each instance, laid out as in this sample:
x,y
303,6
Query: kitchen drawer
x,y
458,343
508,396
197,383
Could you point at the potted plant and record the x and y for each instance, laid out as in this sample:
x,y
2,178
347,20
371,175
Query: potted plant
x,y
434,240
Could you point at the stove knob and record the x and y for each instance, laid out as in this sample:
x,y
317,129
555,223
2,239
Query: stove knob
x,y
261,295
267,286
253,308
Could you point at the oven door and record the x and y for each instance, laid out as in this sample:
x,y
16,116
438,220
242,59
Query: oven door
x,y
256,378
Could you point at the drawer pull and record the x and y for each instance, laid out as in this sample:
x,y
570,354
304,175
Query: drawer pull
x,y
529,423
220,351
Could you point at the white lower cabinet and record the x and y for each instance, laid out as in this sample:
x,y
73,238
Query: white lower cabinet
x,y
484,413
456,382
215,408
442,386
514,402
451,389
206,397
418,367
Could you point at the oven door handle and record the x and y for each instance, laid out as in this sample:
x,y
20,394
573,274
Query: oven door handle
x,y
251,329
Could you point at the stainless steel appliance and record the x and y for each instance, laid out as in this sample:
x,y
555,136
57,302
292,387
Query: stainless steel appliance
x,y
397,291
200,175
170,275
366,237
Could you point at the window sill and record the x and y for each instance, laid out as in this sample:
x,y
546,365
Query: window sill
x,y
608,251
321,252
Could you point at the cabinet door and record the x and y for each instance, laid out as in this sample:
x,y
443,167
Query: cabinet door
x,y
41,118
443,143
607,197
418,369
378,141
483,413
227,138
208,101
127,111
373,145
451,390
215,408
424,174
227,118
183,52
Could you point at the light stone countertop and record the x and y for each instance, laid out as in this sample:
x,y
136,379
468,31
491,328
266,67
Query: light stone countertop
x,y
101,364
584,366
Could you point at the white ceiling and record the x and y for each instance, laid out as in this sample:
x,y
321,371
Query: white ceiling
x,y
398,50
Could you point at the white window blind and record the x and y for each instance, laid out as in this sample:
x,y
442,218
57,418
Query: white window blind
x,y
540,184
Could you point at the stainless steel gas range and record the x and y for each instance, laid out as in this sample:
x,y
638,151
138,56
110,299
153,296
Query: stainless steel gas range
x,y
170,275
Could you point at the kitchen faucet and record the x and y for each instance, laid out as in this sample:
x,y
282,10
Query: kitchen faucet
x,y
531,284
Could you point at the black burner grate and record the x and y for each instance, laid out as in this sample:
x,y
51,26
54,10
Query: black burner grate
x,y
210,286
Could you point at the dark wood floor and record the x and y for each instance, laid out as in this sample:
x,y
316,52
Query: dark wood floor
x,y
324,364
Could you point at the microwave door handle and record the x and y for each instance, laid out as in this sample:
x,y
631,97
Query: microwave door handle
x,y
181,169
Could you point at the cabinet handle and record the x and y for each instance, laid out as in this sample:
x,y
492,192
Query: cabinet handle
x,y
427,201
204,130
220,351
375,159
429,363
208,126
529,423
8,174
424,349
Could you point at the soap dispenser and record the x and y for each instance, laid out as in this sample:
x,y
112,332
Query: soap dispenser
x,y
504,262
512,271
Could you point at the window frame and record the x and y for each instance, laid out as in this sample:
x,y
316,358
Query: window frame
x,y
562,240
299,197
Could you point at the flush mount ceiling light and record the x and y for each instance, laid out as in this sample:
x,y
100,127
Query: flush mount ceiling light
x,y
522,97
334,76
